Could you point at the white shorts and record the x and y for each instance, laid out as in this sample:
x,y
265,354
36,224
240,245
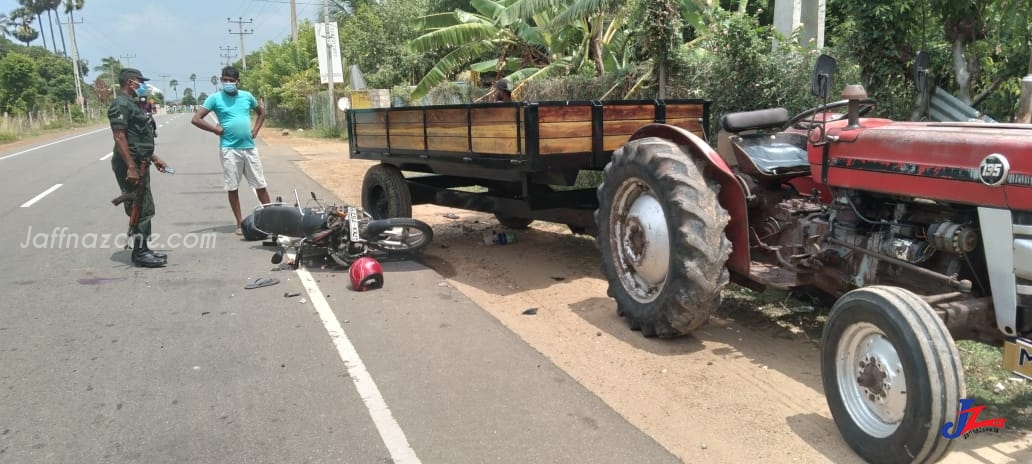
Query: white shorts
x,y
237,162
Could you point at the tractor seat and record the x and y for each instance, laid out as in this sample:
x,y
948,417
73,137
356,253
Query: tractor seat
x,y
771,156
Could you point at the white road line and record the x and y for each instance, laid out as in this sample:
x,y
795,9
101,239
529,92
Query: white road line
x,y
12,155
390,431
40,196
107,156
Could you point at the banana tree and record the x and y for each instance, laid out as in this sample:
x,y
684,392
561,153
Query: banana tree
x,y
484,41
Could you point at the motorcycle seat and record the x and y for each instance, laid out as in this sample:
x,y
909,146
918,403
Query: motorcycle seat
x,y
288,221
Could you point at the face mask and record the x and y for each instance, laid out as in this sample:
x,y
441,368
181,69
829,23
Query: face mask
x,y
141,91
229,87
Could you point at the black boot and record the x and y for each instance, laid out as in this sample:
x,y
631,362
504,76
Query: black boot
x,y
145,248
142,257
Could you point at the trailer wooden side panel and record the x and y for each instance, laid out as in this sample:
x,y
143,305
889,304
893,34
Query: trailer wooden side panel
x,y
536,136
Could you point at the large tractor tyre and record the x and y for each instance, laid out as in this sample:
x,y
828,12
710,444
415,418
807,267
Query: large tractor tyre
x,y
661,235
892,375
385,194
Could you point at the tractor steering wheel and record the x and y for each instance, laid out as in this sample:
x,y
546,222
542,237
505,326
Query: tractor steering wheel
x,y
801,120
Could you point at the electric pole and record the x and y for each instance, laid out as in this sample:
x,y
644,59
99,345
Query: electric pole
x,y
75,65
241,32
127,58
228,57
329,35
293,21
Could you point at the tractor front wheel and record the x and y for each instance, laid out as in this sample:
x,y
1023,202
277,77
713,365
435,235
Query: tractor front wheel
x,y
661,236
892,375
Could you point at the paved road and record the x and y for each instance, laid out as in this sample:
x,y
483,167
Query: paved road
x,y
104,362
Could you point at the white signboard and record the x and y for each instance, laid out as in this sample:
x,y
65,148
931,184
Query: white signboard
x,y
322,37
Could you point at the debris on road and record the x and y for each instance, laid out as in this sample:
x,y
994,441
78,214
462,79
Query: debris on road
x,y
530,311
451,215
261,282
291,294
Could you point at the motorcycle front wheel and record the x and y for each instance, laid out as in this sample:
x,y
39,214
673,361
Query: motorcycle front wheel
x,y
398,236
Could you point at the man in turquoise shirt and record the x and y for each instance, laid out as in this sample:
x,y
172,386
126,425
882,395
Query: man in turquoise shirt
x,y
232,108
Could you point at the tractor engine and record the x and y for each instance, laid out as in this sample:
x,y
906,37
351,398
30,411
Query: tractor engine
x,y
862,239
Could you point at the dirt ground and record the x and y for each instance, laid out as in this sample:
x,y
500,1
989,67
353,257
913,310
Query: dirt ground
x,y
735,391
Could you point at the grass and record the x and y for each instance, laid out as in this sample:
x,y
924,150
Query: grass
x,y
801,313
7,138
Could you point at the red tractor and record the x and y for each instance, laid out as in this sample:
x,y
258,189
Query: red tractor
x,y
921,230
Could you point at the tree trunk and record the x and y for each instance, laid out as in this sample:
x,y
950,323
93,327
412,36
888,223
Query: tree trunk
x,y
662,78
1025,102
963,72
64,48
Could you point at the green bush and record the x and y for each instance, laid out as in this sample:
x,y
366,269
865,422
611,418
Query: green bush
x,y
7,137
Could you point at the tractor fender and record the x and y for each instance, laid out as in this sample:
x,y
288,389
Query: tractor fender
x,y
731,197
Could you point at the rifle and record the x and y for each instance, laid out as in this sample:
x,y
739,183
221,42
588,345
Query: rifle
x,y
136,196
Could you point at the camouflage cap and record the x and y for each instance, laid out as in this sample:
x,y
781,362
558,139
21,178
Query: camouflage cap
x,y
130,73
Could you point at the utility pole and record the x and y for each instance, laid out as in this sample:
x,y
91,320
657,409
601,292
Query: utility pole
x,y
127,58
293,21
240,26
75,65
329,59
228,57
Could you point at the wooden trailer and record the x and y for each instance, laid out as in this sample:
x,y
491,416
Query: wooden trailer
x,y
524,156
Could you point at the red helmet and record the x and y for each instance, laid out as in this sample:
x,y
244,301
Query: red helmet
x,y
366,274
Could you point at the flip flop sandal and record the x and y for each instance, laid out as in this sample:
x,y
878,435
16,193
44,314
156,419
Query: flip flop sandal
x,y
262,282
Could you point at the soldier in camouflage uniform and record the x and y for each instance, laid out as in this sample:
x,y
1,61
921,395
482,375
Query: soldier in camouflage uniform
x,y
134,142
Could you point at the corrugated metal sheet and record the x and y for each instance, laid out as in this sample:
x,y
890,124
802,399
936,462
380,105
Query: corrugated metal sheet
x,y
944,107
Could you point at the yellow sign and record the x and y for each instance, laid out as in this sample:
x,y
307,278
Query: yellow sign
x,y
360,99
1017,357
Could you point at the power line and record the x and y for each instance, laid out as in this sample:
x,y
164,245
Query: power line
x,y
241,32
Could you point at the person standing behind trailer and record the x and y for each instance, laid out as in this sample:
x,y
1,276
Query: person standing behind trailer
x,y
232,107
501,91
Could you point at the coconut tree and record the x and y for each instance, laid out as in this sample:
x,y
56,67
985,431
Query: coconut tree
x,y
215,82
109,68
193,77
174,83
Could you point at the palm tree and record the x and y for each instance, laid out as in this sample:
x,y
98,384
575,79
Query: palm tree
x,y
50,6
6,26
193,77
109,67
23,31
174,83
215,82
35,8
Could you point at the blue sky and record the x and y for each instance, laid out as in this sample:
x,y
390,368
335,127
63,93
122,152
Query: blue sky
x,y
175,37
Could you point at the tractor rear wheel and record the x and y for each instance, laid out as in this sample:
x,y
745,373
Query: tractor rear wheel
x,y
892,375
661,236
385,194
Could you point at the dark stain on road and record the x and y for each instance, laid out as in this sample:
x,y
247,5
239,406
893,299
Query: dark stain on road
x,y
100,280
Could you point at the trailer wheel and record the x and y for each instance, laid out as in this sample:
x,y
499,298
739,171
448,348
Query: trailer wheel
x,y
661,235
385,194
892,375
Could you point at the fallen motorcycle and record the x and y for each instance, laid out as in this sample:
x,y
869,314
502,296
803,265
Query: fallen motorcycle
x,y
344,233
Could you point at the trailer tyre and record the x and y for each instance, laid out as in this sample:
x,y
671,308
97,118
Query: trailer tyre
x,y
661,236
513,222
385,194
892,375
